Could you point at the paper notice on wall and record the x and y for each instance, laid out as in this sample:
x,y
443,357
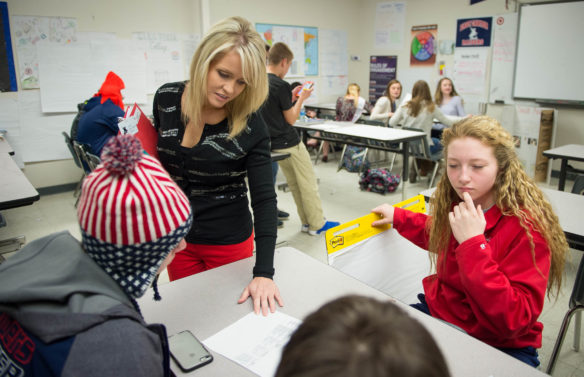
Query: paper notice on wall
x,y
470,70
390,25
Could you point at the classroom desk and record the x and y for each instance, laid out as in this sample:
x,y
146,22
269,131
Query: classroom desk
x,y
326,108
5,147
15,191
207,302
565,153
567,206
363,135
15,188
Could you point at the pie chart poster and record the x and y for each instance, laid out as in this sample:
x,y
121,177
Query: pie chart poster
x,y
423,46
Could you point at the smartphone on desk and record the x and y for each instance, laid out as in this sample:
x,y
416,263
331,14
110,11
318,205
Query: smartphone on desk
x,y
188,352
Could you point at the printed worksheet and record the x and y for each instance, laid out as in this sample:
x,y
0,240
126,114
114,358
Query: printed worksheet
x,y
255,342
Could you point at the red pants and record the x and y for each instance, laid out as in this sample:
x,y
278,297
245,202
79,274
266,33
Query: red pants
x,y
197,258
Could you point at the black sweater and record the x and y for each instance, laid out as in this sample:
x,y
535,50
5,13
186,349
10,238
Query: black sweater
x,y
212,175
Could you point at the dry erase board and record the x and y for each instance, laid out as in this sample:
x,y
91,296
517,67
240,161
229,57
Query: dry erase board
x,y
548,65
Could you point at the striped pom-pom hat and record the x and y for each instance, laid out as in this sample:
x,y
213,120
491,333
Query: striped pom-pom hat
x,y
132,214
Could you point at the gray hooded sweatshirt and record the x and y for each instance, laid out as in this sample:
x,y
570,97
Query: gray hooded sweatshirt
x,y
62,315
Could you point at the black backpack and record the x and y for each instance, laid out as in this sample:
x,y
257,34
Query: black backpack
x,y
75,123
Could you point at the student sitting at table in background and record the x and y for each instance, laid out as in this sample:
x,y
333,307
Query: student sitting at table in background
x,y
449,102
99,121
210,140
387,104
348,109
280,114
420,112
354,336
69,308
493,237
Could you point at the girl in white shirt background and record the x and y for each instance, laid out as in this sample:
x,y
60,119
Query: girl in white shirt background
x,y
387,104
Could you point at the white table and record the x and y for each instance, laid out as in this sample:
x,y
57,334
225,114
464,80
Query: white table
x,y
15,188
565,153
567,206
363,135
207,302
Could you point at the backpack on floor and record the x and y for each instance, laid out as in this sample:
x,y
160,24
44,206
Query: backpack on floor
x,y
354,159
379,180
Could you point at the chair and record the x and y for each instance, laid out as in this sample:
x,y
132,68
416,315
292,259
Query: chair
x,y
576,304
578,187
332,144
575,308
76,158
92,160
421,149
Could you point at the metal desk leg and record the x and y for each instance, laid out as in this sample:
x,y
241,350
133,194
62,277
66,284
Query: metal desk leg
x,y
563,171
406,167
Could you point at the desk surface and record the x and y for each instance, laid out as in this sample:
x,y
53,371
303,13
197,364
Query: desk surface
x,y
5,148
15,188
206,303
569,151
567,206
361,130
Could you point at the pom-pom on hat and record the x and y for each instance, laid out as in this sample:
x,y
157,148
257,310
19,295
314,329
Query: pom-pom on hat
x,y
132,214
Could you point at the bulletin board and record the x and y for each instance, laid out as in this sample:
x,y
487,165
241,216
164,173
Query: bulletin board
x,y
302,40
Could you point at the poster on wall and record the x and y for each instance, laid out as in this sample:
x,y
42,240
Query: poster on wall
x,y
423,46
7,73
28,31
302,40
390,19
473,32
382,69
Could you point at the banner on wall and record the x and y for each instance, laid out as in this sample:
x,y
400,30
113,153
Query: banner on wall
x,y
473,32
7,72
423,46
382,69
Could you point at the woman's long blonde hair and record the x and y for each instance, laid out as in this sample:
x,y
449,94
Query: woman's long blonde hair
x,y
237,34
421,99
516,194
355,100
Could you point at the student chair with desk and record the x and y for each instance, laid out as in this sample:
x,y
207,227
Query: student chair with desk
x,y
576,304
419,149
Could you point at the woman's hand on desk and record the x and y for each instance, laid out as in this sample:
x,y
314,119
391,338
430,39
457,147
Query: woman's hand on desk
x,y
264,293
386,213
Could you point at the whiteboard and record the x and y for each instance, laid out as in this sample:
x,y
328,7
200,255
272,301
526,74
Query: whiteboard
x,y
503,60
549,53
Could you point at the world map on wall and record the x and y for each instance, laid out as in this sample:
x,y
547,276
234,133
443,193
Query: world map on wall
x,y
310,44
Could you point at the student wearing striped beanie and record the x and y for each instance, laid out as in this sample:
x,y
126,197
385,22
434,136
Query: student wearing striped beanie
x,y
69,308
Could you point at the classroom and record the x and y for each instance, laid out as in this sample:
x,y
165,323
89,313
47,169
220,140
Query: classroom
x,y
348,36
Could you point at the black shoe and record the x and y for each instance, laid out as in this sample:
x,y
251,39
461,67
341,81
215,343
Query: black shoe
x,y
282,214
280,223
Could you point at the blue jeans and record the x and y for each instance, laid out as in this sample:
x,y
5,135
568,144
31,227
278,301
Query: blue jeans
x,y
526,354
437,147
274,171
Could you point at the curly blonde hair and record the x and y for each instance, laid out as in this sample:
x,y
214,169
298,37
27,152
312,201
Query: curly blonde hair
x,y
516,194
231,34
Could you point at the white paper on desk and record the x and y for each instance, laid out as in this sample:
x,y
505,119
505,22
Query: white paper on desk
x,y
255,342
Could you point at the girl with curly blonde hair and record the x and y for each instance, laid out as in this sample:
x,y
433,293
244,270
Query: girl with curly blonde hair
x,y
494,240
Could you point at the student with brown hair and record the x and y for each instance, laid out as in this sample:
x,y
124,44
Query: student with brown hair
x,y
356,336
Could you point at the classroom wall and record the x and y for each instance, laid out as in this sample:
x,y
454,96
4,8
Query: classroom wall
x,y
356,17
120,17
